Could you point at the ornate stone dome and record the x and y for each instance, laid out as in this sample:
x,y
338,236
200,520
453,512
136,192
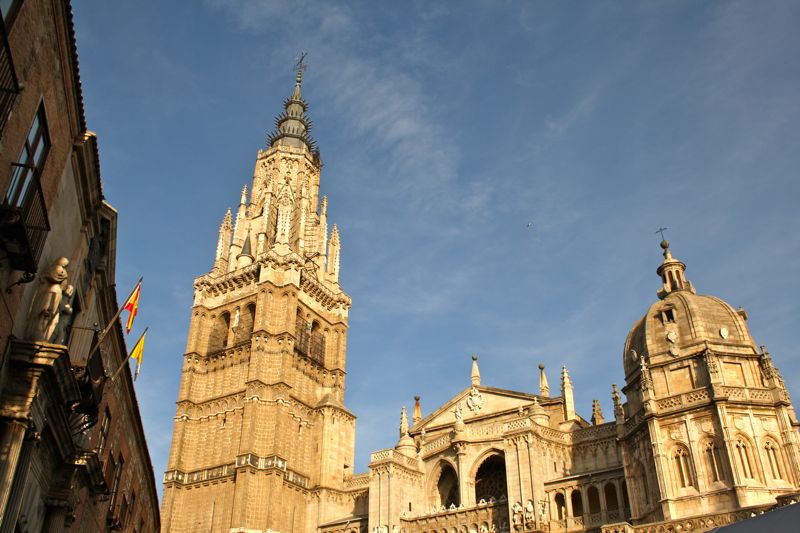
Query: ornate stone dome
x,y
683,322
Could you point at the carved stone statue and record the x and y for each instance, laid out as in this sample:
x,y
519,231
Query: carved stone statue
x,y
47,304
517,518
530,514
458,414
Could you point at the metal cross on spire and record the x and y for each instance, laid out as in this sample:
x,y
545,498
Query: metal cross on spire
x,y
661,231
300,65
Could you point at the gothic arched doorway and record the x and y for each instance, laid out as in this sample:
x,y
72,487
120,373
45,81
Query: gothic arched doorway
x,y
490,479
447,487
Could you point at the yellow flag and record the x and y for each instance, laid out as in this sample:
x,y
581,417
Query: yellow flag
x,y
138,353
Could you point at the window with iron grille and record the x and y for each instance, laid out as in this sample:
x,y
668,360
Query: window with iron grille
x,y
115,485
104,426
25,223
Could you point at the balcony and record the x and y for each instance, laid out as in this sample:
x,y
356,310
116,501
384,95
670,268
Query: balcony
x,y
23,219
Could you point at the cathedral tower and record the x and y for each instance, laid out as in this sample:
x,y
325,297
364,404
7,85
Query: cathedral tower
x,y
262,439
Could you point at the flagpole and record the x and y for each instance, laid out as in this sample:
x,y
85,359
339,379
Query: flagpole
x,y
111,322
127,359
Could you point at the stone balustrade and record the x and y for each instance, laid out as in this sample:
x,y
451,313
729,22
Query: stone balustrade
x,y
482,518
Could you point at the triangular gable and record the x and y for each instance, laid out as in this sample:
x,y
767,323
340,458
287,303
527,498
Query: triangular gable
x,y
491,400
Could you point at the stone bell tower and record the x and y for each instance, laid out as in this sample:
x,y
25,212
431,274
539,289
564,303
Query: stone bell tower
x,y
262,439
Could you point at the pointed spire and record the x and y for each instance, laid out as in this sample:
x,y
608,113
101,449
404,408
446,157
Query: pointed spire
x,y
417,411
334,250
243,200
298,81
544,387
476,373
406,444
566,392
566,381
619,413
597,413
672,275
323,226
403,422
292,125
224,236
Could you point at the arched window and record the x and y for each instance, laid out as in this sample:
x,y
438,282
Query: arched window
x,y
594,499
244,330
317,343
773,458
683,467
713,461
219,333
611,497
743,457
561,506
577,502
490,479
447,487
302,333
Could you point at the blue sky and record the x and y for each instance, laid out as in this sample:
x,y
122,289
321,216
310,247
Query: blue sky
x,y
445,128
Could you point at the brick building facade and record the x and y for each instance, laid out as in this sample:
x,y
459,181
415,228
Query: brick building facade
x,y
73,455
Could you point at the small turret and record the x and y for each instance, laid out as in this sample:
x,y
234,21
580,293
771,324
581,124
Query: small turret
x,y
406,444
544,387
672,276
538,414
245,257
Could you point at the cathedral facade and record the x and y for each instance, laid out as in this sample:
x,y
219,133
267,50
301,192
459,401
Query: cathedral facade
x,y
703,431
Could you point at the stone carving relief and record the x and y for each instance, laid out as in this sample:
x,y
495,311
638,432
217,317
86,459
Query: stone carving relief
x,y
52,298
475,400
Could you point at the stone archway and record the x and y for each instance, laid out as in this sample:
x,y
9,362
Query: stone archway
x,y
490,479
446,492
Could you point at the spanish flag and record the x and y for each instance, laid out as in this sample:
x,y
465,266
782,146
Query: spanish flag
x,y
132,306
138,353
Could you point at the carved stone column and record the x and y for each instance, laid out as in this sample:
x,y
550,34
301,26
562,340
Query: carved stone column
x,y
11,443
463,491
